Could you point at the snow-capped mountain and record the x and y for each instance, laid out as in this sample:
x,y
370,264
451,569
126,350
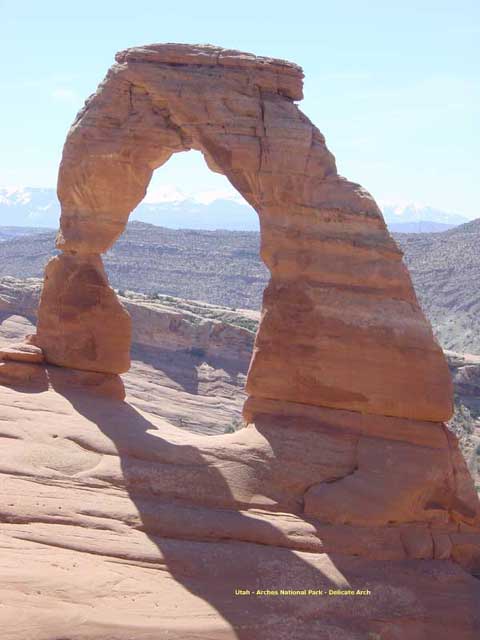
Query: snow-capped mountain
x,y
168,206
194,214
28,207
35,207
413,212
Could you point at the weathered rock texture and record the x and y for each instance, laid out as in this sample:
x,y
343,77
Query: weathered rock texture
x,y
338,285
345,453
81,323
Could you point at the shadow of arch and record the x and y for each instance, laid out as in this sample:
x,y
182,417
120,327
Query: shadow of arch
x,y
175,485
181,366
176,488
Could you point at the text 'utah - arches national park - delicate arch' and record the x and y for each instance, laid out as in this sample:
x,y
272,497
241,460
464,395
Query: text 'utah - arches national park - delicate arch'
x,y
340,327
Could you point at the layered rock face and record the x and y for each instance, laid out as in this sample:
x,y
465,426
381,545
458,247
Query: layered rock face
x,y
338,285
81,323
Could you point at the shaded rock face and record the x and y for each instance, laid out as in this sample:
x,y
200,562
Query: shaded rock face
x,y
338,287
81,323
117,525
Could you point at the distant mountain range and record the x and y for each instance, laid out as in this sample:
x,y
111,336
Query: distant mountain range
x,y
224,267
8,233
39,207
416,213
36,207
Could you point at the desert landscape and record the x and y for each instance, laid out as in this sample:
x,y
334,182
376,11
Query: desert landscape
x,y
251,436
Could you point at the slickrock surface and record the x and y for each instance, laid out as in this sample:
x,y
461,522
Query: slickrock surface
x,y
345,476
114,524
338,285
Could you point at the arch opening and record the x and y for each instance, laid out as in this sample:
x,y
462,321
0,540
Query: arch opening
x,y
226,267
185,194
193,351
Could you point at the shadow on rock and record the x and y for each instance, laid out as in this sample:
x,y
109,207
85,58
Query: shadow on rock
x,y
155,471
181,367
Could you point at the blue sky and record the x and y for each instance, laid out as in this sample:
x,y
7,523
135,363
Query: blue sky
x,y
394,86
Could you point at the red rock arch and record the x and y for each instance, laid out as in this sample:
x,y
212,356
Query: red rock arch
x,y
341,326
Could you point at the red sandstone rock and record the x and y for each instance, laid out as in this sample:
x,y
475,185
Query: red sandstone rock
x,y
105,506
341,326
81,323
22,353
69,381
20,373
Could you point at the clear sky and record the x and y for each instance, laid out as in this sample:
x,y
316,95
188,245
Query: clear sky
x,y
394,86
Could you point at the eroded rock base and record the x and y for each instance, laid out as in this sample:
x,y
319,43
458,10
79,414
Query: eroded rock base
x,y
32,378
81,323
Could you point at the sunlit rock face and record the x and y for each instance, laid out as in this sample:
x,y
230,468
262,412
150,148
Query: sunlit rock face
x,y
341,326
345,476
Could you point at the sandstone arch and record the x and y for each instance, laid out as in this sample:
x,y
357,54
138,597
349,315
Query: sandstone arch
x,y
345,454
341,326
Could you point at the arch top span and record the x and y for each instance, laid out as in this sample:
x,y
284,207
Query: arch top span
x,y
237,109
341,326
274,74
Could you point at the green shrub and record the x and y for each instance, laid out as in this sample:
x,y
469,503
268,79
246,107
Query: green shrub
x,y
235,425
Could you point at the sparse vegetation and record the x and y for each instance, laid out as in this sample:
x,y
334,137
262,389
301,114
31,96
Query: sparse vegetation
x,y
235,425
197,352
224,268
445,269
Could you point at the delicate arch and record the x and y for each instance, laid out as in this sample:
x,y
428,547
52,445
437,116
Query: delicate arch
x,y
341,326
